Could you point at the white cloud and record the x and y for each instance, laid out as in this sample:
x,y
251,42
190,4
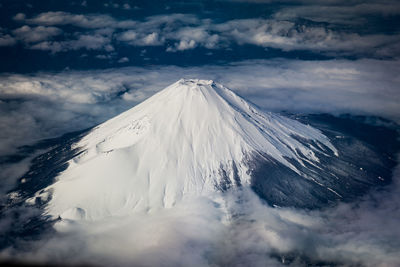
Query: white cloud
x,y
123,60
28,34
127,36
186,31
289,36
155,30
151,39
84,41
185,45
90,42
104,56
340,13
6,40
231,229
84,21
54,47
126,6
19,17
137,38
191,37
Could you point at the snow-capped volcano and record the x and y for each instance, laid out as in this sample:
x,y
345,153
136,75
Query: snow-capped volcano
x,y
194,137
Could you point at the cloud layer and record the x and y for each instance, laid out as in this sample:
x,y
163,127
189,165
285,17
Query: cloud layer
x,y
281,34
231,229
294,27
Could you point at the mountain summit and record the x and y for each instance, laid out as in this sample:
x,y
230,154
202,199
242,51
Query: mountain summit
x,y
196,137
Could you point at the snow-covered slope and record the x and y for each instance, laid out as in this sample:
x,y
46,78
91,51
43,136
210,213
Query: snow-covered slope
x,y
194,137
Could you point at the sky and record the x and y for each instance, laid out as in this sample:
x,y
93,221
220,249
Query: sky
x,y
69,65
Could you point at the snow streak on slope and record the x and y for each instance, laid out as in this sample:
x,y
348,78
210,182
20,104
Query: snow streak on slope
x,y
186,140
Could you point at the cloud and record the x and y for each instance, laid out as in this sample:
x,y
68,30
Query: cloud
x,y
341,13
280,34
126,6
141,38
83,21
104,56
19,17
90,42
156,30
150,40
54,47
128,36
191,37
6,40
11,172
84,41
150,32
363,87
231,229
180,32
289,36
36,34
123,60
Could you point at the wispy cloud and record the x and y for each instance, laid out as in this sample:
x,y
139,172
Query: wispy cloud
x,y
349,14
6,39
84,41
79,20
288,36
179,32
29,34
231,229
